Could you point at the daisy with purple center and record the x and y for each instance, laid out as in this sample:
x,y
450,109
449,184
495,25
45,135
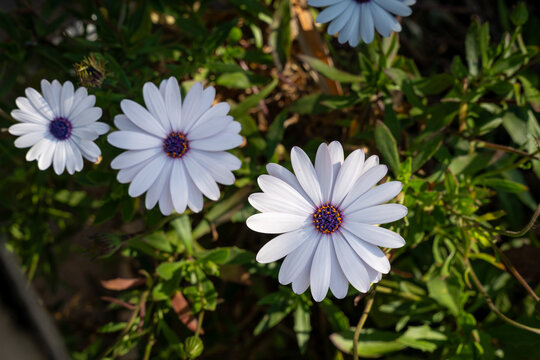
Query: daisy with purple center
x,y
59,126
327,216
176,150
357,19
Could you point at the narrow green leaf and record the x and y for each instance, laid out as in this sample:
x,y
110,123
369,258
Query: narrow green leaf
x,y
387,145
330,71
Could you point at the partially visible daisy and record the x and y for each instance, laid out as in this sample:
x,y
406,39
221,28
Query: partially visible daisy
x,y
176,150
327,215
58,126
355,19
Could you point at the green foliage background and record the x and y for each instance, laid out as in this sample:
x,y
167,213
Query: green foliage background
x,y
451,106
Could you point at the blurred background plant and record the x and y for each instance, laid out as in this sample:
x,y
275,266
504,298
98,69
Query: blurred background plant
x,y
451,105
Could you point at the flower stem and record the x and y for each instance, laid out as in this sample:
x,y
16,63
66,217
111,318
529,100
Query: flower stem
x,y
361,322
494,308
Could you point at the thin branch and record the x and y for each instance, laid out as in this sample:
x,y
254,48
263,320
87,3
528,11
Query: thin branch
x,y
369,303
494,308
512,270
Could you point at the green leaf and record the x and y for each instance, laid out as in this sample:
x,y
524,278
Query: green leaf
x,y
519,14
426,152
531,93
302,327
372,343
504,185
445,292
280,34
387,145
218,255
182,225
159,241
472,50
418,337
112,327
330,71
167,270
337,318
435,84
251,101
236,80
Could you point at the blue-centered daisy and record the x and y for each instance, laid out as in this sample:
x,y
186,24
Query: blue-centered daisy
x,y
59,126
326,215
176,150
355,19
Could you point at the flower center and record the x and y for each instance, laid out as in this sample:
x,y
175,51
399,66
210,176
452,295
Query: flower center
x,y
60,128
175,145
327,219
362,1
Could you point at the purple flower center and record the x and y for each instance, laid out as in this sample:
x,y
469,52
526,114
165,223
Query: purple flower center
x,y
175,145
60,128
362,1
327,219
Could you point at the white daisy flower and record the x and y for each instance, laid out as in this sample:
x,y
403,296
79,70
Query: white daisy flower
x,y
59,126
176,150
327,215
355,19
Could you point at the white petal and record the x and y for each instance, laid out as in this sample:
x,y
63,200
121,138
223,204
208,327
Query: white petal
x,y
323,167
155,104
301,282
133,157
220,142
51,95
296,261
36,150
84,104
34,118
321,3
380,214
218,110
59,160
354,39
123,123
338,282
230,161
165,201
77,156
332,12
29,139
281,173
25,128
173,103
371,161
276,223
195,198
353,267
87,117
99,127
179,188
306,175
381,19
66,98
364,183
321,267
219,172
70,158
189,107
142,118
156,189
348,174
209,128
351,28
279,189
268,203
375,235
202,178
371,254
395,7
146,177
367,28
79,95
88,149
340,21
337,157
85,133
131,140
163,86
282,245
46,156
204,103
39,103
378,195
